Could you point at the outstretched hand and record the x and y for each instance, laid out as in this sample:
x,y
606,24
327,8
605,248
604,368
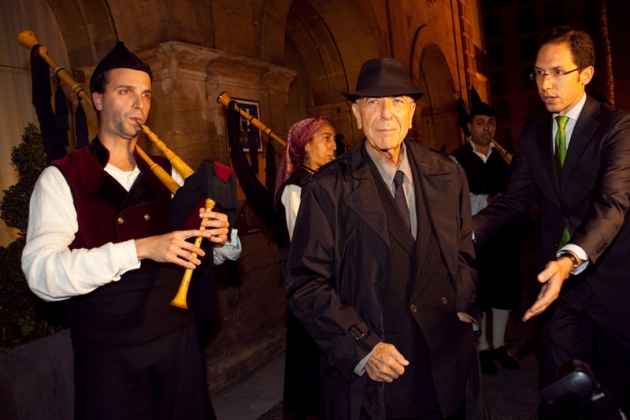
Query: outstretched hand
x,y
552,277
385,363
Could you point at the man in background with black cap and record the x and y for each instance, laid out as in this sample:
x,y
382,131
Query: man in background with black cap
x,y
378,269
499,283
99,234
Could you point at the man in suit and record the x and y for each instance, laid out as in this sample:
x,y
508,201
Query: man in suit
x,y
378,268
579,169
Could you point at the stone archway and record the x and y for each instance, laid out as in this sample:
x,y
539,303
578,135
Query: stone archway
x,y
326,44
437,118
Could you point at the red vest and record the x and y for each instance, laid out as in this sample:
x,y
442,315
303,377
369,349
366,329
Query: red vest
x,y
134,310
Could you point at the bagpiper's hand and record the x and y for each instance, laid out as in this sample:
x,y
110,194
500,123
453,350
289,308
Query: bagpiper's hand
x,y
217,224
172,247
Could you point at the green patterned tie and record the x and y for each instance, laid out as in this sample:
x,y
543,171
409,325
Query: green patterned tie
x,y
561,152
561,142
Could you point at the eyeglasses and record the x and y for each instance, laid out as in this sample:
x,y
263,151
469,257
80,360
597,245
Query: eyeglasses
x,y
555,74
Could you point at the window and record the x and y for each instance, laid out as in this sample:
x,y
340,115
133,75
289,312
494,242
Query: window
x,y
481,61
498,83
492,27
526,20
502,108
527,49
554,14
496,55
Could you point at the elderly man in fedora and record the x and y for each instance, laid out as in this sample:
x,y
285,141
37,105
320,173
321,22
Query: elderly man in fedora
x,y
379,268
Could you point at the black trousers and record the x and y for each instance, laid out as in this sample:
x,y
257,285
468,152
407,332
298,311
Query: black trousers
x,y
164,379
580,327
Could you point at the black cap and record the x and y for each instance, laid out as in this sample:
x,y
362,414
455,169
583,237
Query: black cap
x,y
479,107
119,58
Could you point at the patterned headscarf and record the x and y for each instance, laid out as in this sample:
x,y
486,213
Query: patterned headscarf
x,y
299,134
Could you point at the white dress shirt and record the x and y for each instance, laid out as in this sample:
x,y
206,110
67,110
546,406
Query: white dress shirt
x,y
291,201
573,114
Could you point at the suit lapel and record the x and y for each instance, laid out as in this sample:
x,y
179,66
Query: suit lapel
x,y
429,189
585,128
424,226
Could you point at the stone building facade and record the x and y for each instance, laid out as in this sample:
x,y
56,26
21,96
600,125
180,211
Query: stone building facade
x,y
294,58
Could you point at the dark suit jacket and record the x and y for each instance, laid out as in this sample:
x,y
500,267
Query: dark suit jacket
x,y
591,197
339,259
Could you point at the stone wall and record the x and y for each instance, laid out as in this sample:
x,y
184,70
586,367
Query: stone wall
x,y
268,51
251,313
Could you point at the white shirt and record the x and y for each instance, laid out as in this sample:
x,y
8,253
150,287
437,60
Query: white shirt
x,y
388,172
291,201
573,115
53,271
478,202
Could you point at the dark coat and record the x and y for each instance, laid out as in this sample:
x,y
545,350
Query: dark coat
x,y
591,197
340,258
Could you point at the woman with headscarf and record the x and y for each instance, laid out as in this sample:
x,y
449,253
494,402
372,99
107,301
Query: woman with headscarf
x,y
310,145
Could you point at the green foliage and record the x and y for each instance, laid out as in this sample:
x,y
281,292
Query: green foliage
x,y
29,159
24,317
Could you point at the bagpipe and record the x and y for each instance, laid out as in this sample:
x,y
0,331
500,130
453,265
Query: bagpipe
x,y
507,156
260,197
225,100
212,184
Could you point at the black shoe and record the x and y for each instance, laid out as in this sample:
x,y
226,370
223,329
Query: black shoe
x,y
487,363
505,357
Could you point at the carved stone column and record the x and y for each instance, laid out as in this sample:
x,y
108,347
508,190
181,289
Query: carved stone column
x,y
187,81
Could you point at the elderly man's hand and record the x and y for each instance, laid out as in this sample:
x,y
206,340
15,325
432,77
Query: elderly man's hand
x,y
385,363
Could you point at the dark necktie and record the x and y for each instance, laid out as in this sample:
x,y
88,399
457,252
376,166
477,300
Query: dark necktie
x,y
561,152
401,200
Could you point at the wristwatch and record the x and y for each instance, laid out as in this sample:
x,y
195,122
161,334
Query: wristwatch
x,y
575,260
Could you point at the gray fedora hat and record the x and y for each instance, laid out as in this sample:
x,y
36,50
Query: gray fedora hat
x,y
383,77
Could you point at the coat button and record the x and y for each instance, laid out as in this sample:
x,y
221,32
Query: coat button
x,y
147,217
444,300
413,308
121,220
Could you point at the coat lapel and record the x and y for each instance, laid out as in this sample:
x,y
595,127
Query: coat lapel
x,y
364,198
